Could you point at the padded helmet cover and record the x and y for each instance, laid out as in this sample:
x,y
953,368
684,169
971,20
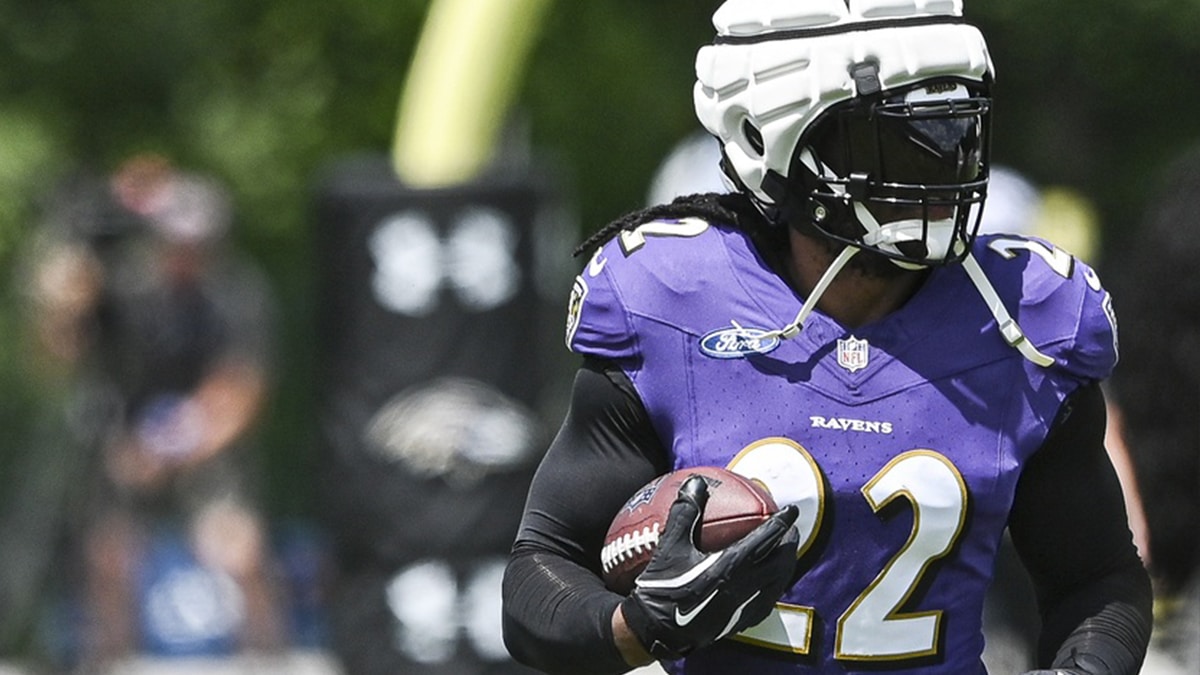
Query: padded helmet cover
x,y
777,65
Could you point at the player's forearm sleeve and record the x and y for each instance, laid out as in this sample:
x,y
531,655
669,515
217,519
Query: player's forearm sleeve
x,y
557,612
1069,525
557,617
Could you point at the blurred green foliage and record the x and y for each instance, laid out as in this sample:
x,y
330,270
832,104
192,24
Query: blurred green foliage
x,y
1093,95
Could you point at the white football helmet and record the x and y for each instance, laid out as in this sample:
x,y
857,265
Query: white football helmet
x,y
867,119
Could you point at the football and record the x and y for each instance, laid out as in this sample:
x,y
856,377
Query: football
x,y
736,505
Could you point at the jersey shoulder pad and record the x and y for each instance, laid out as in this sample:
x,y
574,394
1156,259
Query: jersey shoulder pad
x,y
650,272
1057,299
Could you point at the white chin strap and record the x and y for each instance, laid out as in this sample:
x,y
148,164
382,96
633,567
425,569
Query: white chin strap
x,y
1012,333
793,329
1009,330
938,237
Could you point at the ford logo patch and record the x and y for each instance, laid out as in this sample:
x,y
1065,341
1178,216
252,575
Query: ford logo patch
x,y
737,343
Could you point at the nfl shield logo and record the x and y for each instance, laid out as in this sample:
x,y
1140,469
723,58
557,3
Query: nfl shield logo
x,y
853,354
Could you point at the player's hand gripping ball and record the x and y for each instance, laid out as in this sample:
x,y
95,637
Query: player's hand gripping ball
x,y
736,505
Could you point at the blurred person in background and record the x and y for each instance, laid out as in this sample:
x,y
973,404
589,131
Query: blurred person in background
x,y
691,166
1157,391
167,333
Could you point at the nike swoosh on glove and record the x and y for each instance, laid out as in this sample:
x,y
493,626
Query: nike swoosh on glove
x,y
687,599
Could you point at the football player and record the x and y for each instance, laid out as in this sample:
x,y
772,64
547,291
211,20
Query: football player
x,y
835,329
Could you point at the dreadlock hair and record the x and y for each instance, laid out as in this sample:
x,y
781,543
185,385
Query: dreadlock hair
x,y
770,235
732,208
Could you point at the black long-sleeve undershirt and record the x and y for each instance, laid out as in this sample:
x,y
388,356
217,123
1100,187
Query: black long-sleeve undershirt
x,y
1068,523
557,612
1069,526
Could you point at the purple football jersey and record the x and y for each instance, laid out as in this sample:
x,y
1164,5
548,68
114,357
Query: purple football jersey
x,y
901,441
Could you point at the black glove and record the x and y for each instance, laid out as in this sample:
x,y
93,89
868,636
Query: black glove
x,y
1076,663
686,599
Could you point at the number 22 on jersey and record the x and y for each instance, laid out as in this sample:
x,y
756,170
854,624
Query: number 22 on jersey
x,y
872,628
